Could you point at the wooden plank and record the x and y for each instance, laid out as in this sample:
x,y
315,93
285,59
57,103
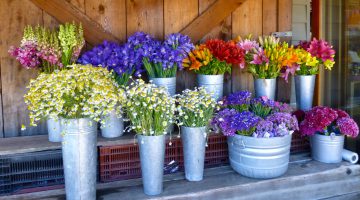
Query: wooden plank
x,y
64,11
247,19
209,19
145,15
221,31
284,24
14,78
174,21
111,15
270,13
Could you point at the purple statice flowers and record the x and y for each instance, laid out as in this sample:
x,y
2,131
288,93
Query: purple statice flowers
x,y
119,58
238,100
222,122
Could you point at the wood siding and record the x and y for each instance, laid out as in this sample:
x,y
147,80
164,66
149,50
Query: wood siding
x,y
121,18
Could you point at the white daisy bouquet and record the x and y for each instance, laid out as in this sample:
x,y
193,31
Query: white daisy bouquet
x,y
82,91
195,107
149,108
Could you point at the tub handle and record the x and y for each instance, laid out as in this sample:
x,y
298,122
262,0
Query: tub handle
x,y
241,144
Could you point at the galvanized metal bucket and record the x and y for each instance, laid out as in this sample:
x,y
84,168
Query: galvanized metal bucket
x,y
194,141
212,83
304,89
260,158
152,154
79,158
54,130
113,126
327,149
169,83
265,87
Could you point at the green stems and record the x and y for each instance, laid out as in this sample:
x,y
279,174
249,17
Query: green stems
x,y
156,70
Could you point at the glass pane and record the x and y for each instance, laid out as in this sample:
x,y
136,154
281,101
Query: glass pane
x,y
340,87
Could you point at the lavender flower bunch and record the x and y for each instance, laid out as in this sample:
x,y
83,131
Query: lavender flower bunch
x,y
161,60
276,125
120,59
239,101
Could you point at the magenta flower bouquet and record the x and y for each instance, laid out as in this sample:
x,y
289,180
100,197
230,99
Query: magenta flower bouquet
x,y
327,121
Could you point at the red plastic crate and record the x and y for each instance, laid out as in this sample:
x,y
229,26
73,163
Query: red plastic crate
x,y
123,161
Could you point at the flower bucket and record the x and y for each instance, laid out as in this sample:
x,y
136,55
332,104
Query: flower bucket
x,y
304,89
169,83
54,130
152,154
79,150
194,141
260,158
113,126
327,149
265,87
212,83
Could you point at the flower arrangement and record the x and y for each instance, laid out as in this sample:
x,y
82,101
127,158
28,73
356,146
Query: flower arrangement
x,y
79,92
149,108
49,50
195,107
120,59
265,58
258,117
160,59
327,121
215,57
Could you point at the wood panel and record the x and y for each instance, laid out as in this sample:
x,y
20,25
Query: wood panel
x,y
245,20
270,14
14,78
111,15
174,21
145,15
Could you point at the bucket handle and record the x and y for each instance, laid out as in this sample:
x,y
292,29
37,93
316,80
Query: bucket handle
x,y
242,143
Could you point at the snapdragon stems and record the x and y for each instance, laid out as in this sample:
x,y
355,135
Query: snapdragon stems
x,y
156,70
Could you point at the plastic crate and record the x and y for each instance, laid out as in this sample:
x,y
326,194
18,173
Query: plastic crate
x,y
299,143
30,170
123,161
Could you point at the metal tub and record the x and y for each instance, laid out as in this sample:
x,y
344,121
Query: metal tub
x,y
327,149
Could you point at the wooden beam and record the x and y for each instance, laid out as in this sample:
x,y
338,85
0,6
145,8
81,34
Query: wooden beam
x,y
64,11
211,18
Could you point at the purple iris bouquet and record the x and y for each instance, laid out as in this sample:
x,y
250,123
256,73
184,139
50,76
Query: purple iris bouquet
x,y
258,117
120,59
161,59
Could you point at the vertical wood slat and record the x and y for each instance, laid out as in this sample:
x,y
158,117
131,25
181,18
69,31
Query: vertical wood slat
x,y
111,15
145,15
246,19
174,21
14,78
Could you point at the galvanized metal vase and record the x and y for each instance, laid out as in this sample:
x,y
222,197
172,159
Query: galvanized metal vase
x,y
54,130
194,141
212,83
113,126
304,89
327,149
169,83
260,158
152,154
265,87
79,158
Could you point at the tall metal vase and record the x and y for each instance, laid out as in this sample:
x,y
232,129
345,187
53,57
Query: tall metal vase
x,y
327,149
194,141
304,89
54,130
212,83
152,154
265,87
79,158
113,126
169,83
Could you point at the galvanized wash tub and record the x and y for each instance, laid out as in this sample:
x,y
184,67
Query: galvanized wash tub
x,y
260,158
327,149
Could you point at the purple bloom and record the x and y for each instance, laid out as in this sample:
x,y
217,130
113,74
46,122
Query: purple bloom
x,y
222,121
317,120
27,55
264,129
348,126
283,123
238,99
282,107
244,123
264,101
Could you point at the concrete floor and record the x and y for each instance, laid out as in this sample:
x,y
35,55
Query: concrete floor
x,y
305,179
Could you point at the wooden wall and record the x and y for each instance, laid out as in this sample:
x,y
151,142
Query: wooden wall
x,y
122,18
